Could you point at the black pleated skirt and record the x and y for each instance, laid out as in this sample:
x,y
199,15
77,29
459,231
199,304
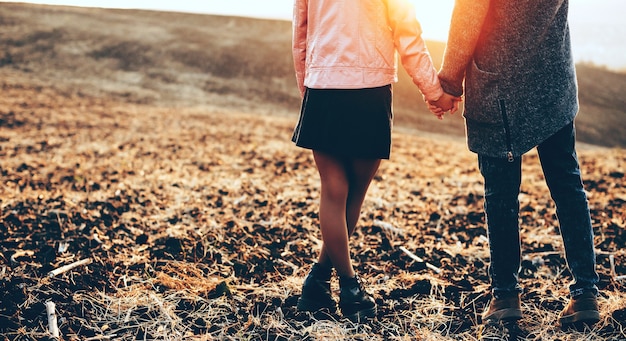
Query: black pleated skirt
x,y
353,123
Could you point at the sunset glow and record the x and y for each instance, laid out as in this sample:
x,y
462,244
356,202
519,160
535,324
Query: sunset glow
x,y
434,16
597,25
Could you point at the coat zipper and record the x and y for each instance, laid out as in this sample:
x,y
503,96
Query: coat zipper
x,y
505,120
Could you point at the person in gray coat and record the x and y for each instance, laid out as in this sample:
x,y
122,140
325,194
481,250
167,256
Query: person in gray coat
x,y
513,62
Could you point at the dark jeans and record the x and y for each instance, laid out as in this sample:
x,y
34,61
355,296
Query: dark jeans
x,y
502,186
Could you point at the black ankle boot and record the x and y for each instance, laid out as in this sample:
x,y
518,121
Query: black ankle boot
x,y
316,294
354,302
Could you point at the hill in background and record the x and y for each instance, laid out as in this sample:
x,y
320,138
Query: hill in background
x,y
188,60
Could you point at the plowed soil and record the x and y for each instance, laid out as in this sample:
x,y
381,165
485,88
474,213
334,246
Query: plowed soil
x,y
201,223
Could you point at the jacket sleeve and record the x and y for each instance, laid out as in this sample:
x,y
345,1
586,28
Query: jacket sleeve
x,y
415,57
465,27
299,41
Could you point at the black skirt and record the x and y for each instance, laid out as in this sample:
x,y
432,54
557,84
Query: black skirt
x,y
352,123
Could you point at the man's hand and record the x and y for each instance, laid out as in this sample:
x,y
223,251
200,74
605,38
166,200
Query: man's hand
x,y
444,104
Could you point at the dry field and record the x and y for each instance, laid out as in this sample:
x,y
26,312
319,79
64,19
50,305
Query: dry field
x,y
200,223
187,214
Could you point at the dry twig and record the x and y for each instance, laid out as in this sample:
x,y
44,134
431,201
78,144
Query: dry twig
x,y
418,259
52,320
69,267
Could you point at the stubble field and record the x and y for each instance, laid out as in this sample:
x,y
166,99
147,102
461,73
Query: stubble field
x,y
199,223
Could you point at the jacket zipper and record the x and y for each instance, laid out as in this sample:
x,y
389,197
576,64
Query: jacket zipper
x,y
505,120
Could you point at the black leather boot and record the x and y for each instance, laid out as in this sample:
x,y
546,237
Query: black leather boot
x,y
316,294
354,302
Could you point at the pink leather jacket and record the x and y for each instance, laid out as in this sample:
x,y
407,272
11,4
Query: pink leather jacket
x,y
352,44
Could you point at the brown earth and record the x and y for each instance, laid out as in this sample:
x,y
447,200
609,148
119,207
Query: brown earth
x,y
197,218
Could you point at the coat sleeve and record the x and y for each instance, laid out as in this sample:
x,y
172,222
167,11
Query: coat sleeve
x,y
414,55
299,41
465,27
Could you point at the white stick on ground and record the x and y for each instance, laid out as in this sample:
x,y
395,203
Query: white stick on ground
x,y
388,226
612,264
52,320
69,267
418,259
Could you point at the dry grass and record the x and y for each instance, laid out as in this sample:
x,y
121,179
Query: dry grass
x,y
216,225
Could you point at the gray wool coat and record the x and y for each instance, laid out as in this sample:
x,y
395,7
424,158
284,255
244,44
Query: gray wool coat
x,y
520,81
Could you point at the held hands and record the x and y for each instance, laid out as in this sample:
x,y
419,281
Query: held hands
x,y
444,104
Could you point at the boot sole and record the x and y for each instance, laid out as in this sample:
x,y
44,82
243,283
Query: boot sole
x,y
313,306
362,314
504,314
586,316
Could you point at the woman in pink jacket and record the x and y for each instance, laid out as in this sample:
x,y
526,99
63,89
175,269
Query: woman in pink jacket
x,y
345,58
